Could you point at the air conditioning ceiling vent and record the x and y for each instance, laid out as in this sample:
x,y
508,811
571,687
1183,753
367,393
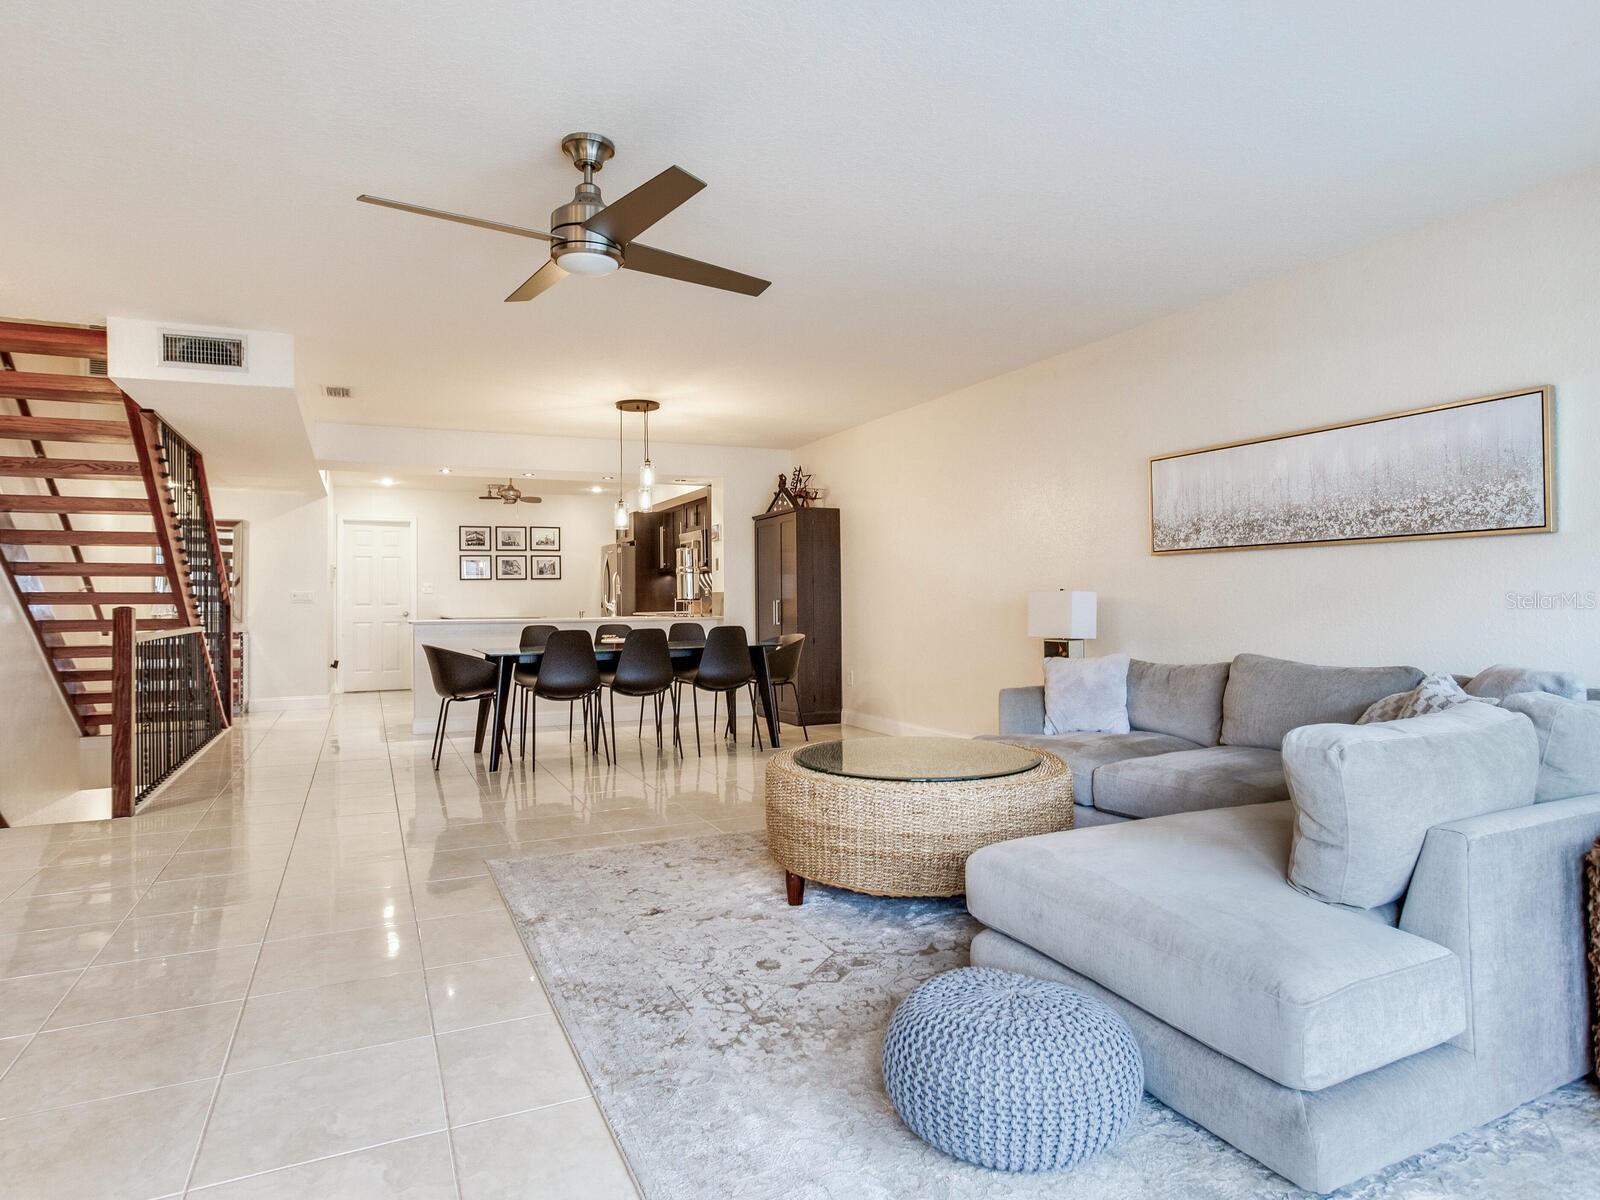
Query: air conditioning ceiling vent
x,y
335,391
202,350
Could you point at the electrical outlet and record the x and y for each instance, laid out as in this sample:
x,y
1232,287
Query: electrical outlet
x,y
427,589
850,678
300,598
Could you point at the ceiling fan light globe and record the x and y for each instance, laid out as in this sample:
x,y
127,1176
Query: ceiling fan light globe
x,y
588,262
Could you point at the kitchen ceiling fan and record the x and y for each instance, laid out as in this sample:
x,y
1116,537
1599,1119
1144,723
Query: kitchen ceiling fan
x,y
591,237
507,493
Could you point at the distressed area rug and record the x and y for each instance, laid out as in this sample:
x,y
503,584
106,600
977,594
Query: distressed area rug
x,y
733,1043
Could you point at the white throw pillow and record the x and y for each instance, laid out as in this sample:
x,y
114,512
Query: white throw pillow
x,y
1086,695
1365,796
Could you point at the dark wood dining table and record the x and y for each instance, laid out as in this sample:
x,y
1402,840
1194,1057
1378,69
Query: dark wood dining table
x,y
606,652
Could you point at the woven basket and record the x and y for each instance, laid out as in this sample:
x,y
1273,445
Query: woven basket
x,y
1591,863
889,838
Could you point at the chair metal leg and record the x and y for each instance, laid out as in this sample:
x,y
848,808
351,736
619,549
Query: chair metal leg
x,y
694,694
755,725
798,715
614,721
600,726
533,720
438,732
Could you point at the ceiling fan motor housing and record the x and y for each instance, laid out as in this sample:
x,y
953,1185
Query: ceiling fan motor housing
x,y
566,223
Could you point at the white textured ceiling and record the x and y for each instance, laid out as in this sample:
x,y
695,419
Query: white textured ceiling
x,y
939,191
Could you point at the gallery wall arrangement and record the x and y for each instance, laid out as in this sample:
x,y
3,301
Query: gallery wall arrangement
x,y
545,540
1465,469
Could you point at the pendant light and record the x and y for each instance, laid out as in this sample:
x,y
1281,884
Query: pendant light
x,y
647,470
619,518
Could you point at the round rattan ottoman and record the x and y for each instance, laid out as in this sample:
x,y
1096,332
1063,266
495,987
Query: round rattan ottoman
x,y
906,836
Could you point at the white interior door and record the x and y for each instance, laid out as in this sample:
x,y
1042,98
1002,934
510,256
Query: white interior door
x,y
376,575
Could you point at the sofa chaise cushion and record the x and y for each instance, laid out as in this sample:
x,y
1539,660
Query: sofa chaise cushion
x,y
1365,796
1191,919
1189,780
1085,752
1267,697
1185,701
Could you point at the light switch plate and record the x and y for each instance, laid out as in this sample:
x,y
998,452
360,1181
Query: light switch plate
x,y
427,589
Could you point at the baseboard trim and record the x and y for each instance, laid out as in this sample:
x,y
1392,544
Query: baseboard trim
x,y
285,703
874,723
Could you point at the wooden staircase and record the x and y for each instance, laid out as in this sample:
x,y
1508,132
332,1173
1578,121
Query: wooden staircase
x,y
87,513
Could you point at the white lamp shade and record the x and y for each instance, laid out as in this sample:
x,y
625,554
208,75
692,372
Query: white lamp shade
x,y
1062,615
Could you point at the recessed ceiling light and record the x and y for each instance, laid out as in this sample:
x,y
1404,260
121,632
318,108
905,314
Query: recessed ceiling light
x,y
597,488
608,478
444,470
386,481
527,474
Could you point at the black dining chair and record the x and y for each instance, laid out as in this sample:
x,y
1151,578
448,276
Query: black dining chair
x,y
568,672
458,676
533,638
685,633
644,671
783,668
724,669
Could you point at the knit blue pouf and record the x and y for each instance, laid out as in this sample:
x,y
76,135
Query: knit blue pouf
x,y
1011,1072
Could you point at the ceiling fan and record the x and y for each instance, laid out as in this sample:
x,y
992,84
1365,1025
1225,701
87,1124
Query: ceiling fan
x,y
507,493
590,237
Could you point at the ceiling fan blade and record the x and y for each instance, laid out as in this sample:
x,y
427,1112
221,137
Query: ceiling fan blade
x,y
691,270
533,499
481,223
542,280
625,219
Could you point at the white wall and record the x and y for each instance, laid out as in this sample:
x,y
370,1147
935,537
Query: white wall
x,y
286,551
585,523
952,511
38,737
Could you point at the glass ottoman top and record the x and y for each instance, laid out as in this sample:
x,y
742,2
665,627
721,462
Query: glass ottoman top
x,y
917,759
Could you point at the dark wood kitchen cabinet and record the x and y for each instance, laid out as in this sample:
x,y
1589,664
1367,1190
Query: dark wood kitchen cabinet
x,y
797,591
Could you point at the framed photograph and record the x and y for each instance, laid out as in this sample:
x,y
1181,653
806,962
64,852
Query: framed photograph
x,y
545,538
472,537
510,566
1471,468
476,566
510,537
544,566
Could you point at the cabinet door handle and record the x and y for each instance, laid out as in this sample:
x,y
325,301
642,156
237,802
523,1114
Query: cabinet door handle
x,y
777,616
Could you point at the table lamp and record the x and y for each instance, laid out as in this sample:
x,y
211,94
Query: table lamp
x,y
1063,619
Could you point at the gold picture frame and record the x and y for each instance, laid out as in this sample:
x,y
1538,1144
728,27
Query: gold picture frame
x,y
1176,525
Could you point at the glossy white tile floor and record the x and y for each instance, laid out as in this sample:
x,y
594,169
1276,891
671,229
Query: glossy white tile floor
x,y
292,976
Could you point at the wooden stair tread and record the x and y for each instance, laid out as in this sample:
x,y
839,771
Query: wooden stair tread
x,y
66,468
77,537
69,389
90,570
103,650
105,598
69,625
72,677
62,429
63,341
75,505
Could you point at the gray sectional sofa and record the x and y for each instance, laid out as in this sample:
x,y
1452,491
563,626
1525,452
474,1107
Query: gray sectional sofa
x,y
1324,1039
1203,736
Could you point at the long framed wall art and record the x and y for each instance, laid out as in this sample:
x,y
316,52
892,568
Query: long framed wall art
x,y
1470,468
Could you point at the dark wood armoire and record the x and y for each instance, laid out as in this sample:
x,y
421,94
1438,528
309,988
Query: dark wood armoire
x,y
797,591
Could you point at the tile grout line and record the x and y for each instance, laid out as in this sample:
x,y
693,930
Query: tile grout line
x,y
233,1037
427,995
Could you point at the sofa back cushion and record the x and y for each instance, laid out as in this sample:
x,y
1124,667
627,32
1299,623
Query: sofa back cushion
x,y
1184,701
1365,796
1502,680
1569,743
1267,697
